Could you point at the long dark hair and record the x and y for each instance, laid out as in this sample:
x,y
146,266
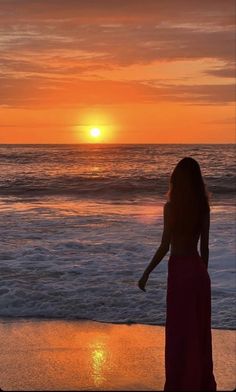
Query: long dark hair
x,y
187,196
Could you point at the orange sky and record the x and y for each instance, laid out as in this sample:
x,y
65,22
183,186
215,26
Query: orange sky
x,y
142,71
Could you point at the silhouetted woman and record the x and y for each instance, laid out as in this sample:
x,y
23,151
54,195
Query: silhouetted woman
x,y
188,347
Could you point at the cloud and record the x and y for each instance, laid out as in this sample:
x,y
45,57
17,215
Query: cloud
x,y
124,31
122,45
228,71
53,54
38,92
120,11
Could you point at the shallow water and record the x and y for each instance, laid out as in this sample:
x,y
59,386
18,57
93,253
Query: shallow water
x,y
80,223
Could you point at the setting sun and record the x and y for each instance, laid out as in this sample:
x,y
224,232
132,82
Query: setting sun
x,y
95,132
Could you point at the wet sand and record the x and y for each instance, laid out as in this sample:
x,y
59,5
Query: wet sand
x,y
61,355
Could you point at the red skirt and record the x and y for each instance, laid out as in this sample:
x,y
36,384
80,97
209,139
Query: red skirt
x,y
188,346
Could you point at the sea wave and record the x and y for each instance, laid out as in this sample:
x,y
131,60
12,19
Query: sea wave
x,y
102,186
109,171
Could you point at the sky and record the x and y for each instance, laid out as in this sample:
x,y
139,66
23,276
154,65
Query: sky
x,y
142,71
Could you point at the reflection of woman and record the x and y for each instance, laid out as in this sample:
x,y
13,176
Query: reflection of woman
x,y
188,350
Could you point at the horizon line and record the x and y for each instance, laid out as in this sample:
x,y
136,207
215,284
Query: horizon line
x,y
110,144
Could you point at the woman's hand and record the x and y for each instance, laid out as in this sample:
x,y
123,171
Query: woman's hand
x,y
142,282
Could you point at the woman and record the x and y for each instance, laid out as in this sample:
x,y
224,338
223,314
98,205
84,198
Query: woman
x,y
188,348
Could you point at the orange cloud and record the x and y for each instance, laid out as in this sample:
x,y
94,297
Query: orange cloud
x,y
73,55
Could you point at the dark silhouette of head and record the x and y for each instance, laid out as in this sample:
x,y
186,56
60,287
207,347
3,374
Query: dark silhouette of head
x,y
188,196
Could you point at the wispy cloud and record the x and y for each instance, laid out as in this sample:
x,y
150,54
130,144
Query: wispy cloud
x,y
228,71
54,54
75,93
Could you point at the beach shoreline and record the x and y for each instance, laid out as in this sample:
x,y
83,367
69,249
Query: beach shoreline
x,y
90,355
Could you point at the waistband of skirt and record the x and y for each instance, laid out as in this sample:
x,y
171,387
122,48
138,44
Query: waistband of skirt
x,y
192,256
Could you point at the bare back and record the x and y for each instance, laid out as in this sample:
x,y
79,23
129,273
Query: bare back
x,y
186,244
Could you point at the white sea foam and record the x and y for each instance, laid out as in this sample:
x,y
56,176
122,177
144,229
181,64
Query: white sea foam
x,y
78,225
82,259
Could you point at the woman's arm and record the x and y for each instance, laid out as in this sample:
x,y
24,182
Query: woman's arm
x,y
161,251
204,239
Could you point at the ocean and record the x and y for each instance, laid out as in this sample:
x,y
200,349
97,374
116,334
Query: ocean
x,y
80,223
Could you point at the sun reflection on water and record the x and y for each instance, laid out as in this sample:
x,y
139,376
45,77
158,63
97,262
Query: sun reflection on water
x,y
99,357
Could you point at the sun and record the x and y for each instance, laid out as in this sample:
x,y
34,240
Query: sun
x,y
95,133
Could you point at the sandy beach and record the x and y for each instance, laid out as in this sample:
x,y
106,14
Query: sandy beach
x,y
61,355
